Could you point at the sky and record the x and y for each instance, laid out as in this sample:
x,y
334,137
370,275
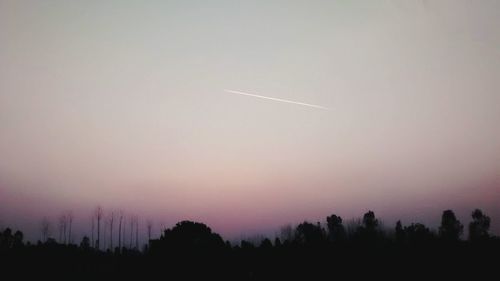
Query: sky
x,y
131,105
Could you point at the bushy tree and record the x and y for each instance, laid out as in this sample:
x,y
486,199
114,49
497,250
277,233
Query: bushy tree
x,y
308,233
450,228
188,235
369,229
336,230
417,233
479,226
85,244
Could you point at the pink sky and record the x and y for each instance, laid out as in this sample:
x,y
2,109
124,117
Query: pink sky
x,y
123,105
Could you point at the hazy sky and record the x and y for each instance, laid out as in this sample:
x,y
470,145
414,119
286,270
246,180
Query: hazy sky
x,y
122,103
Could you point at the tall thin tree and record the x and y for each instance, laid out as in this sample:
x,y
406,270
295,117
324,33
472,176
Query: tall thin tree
x,y
111,222
136,233
70,222
99,213
62,228
93,230
120,215
131,231
45,228
150,229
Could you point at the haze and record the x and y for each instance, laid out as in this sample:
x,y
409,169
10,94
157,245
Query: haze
x,y
122,104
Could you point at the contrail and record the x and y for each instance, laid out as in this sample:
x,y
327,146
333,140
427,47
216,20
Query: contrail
x,y
276,99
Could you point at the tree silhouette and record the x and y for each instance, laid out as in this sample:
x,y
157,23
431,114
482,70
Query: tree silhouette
x,y
190,236
417,233
6,240
85,244
399,231
450,228
149,225
62,228
98,214
336,230
266,244
192,249
286,233
120,215
479,226
369,229
111,226
369,221
131,231
70,218
45,229
308,233
18,239
137,233
92,218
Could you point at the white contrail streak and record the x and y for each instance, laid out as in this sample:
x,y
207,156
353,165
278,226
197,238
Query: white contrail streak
x,y
276,99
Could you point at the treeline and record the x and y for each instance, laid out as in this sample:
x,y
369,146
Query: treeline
x,y
107,231
310,249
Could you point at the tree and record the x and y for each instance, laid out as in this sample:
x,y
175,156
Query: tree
x,y
45,228
286,233
136,233
336,230
98,214
18,239
6,240
70,222
479,226
93,230
111,223
308,233
188,236
277,242
370,222
450,228
400,233
124,232
266,244
417,233
62,228
105,236
131,231
150,228
85,244
120,215
369,229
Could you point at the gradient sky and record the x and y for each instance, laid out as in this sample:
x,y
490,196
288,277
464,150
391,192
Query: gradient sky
x,y
122,103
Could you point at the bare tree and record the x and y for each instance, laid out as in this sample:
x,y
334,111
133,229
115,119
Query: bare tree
x,y
45,228
150,229
286,233
93,229
105,237
98,213
136,233
124,232
120,216
70,221
111,222
131,231
162,227
62,229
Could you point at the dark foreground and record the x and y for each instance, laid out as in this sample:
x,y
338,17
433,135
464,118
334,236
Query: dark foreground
x,y
192,251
